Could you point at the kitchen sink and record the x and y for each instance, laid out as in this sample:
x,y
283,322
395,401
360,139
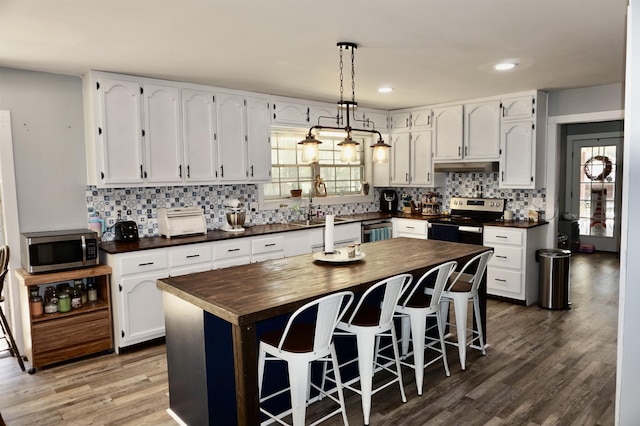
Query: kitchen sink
x,y
316,222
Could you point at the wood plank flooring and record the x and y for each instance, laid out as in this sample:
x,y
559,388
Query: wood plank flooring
x,y
542,368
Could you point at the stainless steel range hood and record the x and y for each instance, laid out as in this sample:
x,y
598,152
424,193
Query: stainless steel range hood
x,y
467,166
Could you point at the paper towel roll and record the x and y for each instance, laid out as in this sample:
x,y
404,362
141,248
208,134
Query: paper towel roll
x,y
328,234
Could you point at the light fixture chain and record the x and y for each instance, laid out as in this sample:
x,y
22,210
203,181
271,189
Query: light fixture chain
x,y
341,76
353,75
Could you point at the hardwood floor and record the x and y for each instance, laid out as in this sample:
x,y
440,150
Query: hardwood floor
x,y
542,368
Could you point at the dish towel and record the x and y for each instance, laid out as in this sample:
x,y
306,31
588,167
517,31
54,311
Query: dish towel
x,y
445,232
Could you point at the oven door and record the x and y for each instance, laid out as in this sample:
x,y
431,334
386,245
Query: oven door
x,y
455,233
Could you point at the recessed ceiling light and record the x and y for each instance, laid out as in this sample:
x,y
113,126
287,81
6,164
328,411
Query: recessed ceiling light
x,y
385,89
504,66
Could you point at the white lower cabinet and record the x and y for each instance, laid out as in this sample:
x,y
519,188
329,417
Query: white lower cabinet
x,y
137,303
232,253
267,248
411,228
190,259
343,235
512,271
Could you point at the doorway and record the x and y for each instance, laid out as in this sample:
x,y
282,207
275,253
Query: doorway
x,y
593,187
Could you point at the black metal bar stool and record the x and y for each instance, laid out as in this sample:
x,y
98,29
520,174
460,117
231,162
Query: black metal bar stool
x,y
4,267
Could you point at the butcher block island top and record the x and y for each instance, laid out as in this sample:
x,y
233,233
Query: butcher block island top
x,y
214,319
254,292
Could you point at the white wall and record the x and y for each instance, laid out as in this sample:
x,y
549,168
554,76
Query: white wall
x,y
584,100
628,373
49,155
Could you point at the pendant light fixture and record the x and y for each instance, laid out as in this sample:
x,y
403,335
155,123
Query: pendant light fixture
x,y
346,111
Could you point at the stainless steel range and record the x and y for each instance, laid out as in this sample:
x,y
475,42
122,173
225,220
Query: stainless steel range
x,y
466,220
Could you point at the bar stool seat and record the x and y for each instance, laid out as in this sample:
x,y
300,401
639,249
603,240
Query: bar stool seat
x,y
4,324
299,344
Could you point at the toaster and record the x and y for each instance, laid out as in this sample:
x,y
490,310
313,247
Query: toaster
x,y
126,230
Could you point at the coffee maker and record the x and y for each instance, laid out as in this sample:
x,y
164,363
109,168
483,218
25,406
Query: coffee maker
x,y
388,201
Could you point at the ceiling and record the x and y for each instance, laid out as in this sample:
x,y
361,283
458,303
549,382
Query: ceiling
x,y
429,51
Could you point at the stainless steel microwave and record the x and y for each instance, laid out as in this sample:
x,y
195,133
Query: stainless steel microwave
x,y
59,250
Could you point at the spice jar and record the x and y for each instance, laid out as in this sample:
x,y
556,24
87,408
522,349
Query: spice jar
x,y
83,292
36,306
64,302
92,290
76,298
51,295
34,291
50,308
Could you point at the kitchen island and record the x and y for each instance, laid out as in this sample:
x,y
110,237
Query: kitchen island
x,y
214,319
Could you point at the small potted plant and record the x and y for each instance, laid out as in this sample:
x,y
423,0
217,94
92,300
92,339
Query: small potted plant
x,y
296,193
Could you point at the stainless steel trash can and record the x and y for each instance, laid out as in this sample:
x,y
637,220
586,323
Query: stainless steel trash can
x,y
553,278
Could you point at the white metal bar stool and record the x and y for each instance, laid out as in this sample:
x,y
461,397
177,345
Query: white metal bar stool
x,y
462,289
370,320
414,309
300,344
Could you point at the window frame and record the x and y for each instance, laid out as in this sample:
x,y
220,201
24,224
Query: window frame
x,y
289,202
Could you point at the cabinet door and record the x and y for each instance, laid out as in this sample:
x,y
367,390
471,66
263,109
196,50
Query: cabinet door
x,y
518,108
448,133
401,121
517,163
163,134
290,113
232,144
142,309
258,139
120,132
199,130
482,131
329,114
400,156
421,159
421,119
372,120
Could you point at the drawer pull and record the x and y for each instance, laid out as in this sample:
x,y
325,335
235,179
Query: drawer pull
x,y
410,227
192,256
501,280
146,264
501,257
235,249
501,236
270,245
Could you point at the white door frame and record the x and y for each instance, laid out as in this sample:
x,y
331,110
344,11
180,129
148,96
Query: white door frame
x,y
554,166
11,226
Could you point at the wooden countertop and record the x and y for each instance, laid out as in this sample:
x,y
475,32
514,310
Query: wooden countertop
x,y
250,293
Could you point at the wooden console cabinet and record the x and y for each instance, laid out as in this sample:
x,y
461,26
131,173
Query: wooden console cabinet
x,y
56,337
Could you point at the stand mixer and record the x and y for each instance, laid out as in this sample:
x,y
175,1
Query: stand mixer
x,y
234,214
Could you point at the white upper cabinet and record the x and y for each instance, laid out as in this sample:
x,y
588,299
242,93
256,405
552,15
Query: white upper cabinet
x,y
199,130
448,138
302,113
482,131
519,108
258,139
162,134
113,130
400,121
414,119
523,141
232,147
411,159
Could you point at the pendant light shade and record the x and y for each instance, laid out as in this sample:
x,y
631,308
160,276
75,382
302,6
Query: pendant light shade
x,y
380,152
346,113
348,149
310,150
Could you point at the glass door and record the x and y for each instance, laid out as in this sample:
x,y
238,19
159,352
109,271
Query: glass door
x,y
595,188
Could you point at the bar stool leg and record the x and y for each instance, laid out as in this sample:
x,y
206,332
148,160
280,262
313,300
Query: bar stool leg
x,y
12,343
418,330
366,344
476,310
299,381
460,305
